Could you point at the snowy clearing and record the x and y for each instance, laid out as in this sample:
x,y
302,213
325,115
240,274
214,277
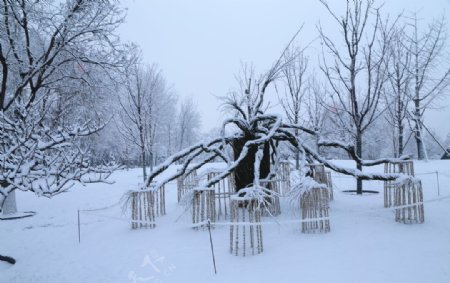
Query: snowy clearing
x,y
365,243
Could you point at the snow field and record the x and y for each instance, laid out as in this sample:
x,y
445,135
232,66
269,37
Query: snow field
x,y
365,243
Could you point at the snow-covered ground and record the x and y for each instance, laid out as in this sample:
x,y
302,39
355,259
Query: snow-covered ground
x,y
365,243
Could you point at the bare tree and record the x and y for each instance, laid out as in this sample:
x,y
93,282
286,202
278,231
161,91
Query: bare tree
x,y
295,80
188,124
43,46
254,141
431,78
362,59
316,108
399,91
144,94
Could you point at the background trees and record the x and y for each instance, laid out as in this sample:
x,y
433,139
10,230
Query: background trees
x,y
142,99
399,89
51,56
61,63
429,70
187,124
357,73
295,78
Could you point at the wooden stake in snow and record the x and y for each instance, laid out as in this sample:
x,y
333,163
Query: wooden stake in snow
x,y
212,246
438,186
403,167
79,231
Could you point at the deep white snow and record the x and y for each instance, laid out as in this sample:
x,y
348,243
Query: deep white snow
x,y
365,243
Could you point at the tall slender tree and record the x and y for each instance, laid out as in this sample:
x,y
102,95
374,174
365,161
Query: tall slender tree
x,y
295,78
398,94
365,37
429,70
143,98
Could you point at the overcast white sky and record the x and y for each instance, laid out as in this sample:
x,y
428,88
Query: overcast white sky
x,y
200,44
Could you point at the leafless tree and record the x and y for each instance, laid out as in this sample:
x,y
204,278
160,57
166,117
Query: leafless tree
x,y
294,74
399,88
315,101
142,101
45,45
254,140
429,70
188,123
366,38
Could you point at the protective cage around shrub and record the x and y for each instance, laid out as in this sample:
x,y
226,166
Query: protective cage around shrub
x,y
142,209
223,190
408,198
159,196
185,183
203,206
400,167
314,205
246,237
284,178
322,177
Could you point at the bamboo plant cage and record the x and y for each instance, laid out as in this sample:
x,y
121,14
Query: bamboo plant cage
x,y
142,209
246,237
322,177
223,190
408,200
159,198
203,206
400,167
284,178
186,183
314,205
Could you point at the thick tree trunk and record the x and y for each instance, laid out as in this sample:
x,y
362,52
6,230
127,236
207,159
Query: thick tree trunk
x,y
418,131
400,121
144,165
8,205
245,172
400,140
297,154
359,182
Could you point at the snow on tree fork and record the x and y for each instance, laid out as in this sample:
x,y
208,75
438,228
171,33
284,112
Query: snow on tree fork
x,y
246,236
403,167
409,200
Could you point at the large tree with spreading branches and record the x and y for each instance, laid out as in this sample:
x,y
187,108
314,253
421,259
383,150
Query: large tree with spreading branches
x,y
255,139
51,52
